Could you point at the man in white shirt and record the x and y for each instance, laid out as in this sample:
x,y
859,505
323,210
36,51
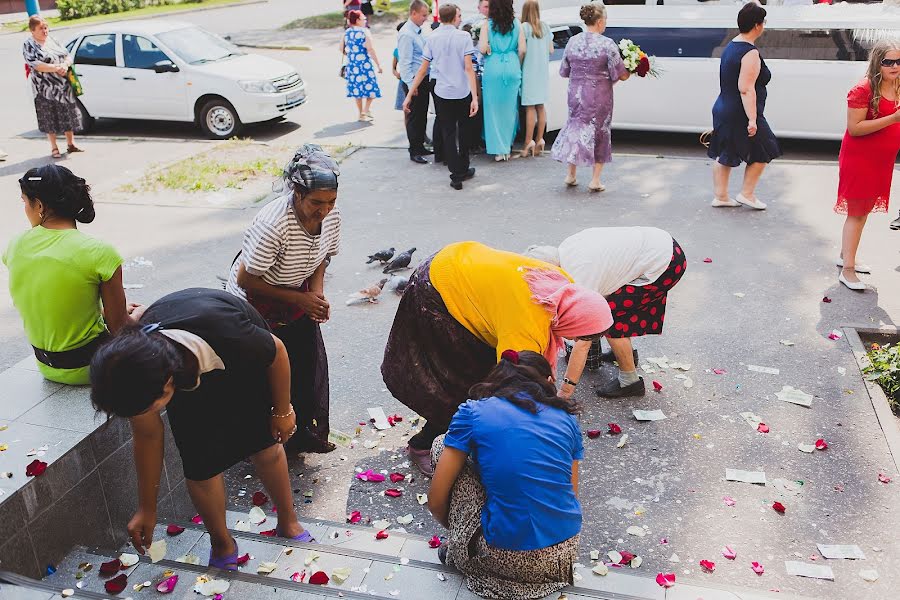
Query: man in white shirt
x,y
633,268
410,49
450,51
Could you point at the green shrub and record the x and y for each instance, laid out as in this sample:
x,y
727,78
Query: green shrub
x,y
76,9
884,369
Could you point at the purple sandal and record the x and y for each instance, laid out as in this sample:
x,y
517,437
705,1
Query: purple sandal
x,y
225,563
306,537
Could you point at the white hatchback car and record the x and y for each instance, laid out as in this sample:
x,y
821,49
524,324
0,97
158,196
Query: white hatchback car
x,y
172,71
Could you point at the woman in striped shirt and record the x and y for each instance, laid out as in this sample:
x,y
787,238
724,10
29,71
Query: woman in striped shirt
x,y
281,272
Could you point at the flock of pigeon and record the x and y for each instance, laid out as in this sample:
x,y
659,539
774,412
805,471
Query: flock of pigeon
x,y
391,264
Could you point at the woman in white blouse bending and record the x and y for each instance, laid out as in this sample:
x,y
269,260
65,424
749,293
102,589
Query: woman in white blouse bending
x,y
281,272
633,268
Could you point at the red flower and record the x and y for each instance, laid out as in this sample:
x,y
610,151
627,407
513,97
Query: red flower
x,y
762,428
708,565
657,386
173,529
614,429
434,542
259,499
111,568
381,535
594,433
116,584
665,580
35,468
642,69
778,507
355,517
821,444
393,493
318,578
397,477
242,560
269,533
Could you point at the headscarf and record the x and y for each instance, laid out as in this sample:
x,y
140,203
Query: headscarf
x,y
311,169
548,254
575,311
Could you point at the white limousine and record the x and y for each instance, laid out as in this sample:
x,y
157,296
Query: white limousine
x,y
816,54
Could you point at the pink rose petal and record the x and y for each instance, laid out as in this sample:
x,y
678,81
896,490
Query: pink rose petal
x,y
243,560
268,533
728,553
720,371
397,477
434,542
821,444
728,500
762,428
883,478
757,568
593,433
167,585
665,580
197,520
708,565
381,535
707,260
657,386
370,475
173,529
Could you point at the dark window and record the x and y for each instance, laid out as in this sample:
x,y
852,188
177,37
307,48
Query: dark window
x,y
97,50
71,45
141,53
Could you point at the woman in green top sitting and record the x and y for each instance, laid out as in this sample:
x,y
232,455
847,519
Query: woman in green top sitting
x,y
66,285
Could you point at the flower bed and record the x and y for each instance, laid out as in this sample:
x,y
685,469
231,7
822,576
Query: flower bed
x,y
883,353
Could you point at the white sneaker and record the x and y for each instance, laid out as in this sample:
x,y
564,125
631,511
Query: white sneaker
x,y
861,267
755,203
856,286
721,203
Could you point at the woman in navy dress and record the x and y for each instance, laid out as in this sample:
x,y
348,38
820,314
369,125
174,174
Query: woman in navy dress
x,y
740,131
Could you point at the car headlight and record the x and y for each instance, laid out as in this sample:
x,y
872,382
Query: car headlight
x,y
258,87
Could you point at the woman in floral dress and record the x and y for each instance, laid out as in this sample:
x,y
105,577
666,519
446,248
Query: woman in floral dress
x,y
362,83
592,63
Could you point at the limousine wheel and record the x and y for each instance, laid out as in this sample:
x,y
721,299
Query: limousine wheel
x,y
86,121
219,120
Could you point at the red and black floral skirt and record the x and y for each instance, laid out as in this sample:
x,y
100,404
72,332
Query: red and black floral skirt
x,y
641,309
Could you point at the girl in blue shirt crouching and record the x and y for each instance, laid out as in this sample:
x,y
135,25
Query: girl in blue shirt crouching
x,y
506,482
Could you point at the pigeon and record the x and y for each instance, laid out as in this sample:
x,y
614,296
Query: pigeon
x,y
401,261
382,256
397,283
369,294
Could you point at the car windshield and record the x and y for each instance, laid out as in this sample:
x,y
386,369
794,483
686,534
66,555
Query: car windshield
x,y
196,46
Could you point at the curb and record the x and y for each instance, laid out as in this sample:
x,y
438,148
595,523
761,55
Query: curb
x,y
114,18
298,48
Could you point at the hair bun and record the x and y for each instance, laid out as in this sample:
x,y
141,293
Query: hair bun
x,y
510,355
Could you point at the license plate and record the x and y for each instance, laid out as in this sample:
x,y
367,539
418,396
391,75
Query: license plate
x,y
295,97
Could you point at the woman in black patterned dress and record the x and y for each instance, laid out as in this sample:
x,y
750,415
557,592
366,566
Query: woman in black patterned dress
x,y
54,99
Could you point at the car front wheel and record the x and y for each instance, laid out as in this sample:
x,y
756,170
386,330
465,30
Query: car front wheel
x,y
219,120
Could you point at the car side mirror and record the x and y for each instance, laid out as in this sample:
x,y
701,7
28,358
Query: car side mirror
x,y
165,66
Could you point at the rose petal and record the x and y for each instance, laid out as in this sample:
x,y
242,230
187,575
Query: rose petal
x,y
614,429
826,300
167,585
318,578
197,520
762,428
434,542
116,584
355,517
128,560
778,507
821,444
370,475
757,568
657,386
707,260
720,371
626,557
397,477
173,529
883,478
728,553
665,580
259,499
381,535
111,568
393,493
708,565
593,433
35,468
268,533
243,560
728,500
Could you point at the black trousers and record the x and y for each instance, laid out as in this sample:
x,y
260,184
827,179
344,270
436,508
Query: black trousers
x,y
309,374
417,118
453,118
437,138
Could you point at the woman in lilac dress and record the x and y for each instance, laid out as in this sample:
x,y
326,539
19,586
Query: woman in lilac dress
x,y
592,63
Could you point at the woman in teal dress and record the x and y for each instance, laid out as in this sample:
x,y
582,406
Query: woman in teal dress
x,y
503,46
535,76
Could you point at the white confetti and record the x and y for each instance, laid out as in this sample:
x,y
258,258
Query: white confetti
x,y
869,575
600,569
157,550
745,476
256,515
636,531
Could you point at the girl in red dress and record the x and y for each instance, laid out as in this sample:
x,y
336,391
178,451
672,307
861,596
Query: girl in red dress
x,y
868,153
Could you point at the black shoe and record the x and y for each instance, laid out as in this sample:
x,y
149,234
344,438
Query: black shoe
x,y
438,159
609,357
426,150
456,185
612,389
895,224
470,173
418,159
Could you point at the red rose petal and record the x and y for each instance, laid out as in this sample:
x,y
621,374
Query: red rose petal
x,y
883,478
111,568
35,468
778,507
720,371
318,578
381,535
268,533
626,557
355,517
259,499
614,429
242,560
393,493
197,520
757,568
708,565
657,386
665,580
707,260
594,433
434,542
762,428
116,584
397,418
826,300
173,529
397,477
167,585
822,444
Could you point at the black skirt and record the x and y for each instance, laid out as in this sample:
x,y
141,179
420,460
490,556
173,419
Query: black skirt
x,y
430,360
54,116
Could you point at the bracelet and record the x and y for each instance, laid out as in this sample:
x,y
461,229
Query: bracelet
x,y
570,382
289,413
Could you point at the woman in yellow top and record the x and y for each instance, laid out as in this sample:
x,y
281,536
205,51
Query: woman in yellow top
x,y
462,308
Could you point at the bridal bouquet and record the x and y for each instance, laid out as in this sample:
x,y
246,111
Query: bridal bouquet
x,y
636,60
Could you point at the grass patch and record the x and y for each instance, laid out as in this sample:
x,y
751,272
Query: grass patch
x,y
398,10
229,165
884,369
130,14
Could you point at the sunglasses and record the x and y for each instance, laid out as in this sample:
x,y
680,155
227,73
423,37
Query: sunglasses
x,y
890,62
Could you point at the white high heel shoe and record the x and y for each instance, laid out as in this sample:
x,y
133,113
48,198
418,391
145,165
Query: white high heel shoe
x,y
856,286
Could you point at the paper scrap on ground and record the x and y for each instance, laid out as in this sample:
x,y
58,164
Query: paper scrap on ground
x,y
622,441
745,476
808,448
869,574
381,524
157,550
662,362
339,438
787,486
795,396
635,530
377,414
264,568
340,574
256,515
595,555
648,415
801,569
759,369
849,551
